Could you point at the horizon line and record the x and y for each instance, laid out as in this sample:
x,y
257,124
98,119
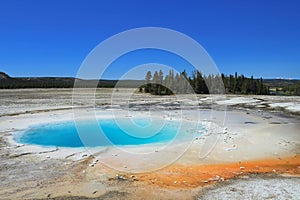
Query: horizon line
x,y
110,78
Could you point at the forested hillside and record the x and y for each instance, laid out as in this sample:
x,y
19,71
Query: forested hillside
x,y
7,82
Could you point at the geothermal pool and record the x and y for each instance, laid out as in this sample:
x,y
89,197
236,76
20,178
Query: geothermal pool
x,y
88,134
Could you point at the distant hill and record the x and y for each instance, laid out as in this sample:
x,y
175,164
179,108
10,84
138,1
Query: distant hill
x,y
279,83
7,82
283,86
4,76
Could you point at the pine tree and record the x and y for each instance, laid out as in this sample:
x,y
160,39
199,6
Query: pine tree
x,y
235,83
155,82
160,83
148,84
297,88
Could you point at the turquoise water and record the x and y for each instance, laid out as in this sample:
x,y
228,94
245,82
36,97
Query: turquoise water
x,y
66,135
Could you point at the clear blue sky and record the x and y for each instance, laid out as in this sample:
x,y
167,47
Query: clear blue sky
x,y
52,37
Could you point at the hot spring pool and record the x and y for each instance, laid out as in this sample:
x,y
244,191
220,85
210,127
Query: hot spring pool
x,y
65,134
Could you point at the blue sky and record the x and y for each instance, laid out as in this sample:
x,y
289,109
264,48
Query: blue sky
x,y
52,37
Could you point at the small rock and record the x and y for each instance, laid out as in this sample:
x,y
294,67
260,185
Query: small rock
x,y
47,156
205,181
95,192
175,182
120,177
242,168
133,178
274,170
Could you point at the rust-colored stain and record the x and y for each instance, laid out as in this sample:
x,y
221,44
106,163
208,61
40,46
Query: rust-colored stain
x,y
191,176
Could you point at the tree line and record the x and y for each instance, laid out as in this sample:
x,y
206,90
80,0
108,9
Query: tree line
x,y
181,83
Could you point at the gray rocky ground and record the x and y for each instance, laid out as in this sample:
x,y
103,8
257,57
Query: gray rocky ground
x,y
26,175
